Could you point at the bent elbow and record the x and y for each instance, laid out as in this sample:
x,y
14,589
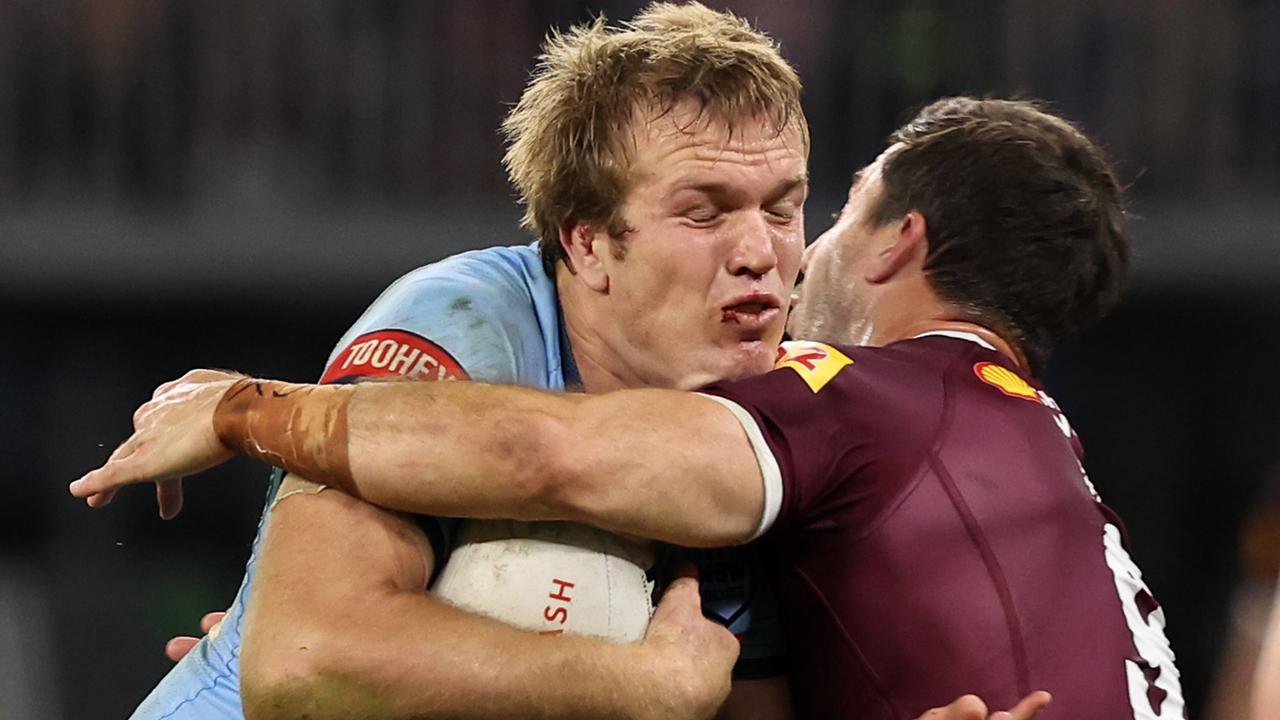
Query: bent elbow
x,y
273,681
269,701
292,674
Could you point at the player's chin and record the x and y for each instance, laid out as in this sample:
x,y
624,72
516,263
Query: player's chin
x,y
751,357
730,361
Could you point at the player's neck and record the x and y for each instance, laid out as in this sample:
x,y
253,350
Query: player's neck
x,y
986,334
598,366
915,309
597,375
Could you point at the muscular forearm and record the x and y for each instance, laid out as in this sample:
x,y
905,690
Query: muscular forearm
x,y
426,659
661,464
339,627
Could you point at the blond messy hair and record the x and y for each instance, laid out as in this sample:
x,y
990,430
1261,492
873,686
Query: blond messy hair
x,y
565,149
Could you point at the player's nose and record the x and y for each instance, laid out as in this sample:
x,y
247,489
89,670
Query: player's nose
x,y
755,251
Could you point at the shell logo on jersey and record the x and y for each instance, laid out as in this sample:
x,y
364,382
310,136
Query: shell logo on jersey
x,y
815,363
1006,381
393,353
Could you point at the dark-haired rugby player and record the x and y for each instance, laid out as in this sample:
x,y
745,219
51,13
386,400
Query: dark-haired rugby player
x,y
922,499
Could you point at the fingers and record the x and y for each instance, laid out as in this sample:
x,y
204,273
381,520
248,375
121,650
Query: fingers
x,y
681,596
209,620
169,497
177,648
131,463
679,617
101,499
104,481
679,612
1027,708
967,707
172,438
92,486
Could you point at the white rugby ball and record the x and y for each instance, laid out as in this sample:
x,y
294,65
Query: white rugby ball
x,y
551,577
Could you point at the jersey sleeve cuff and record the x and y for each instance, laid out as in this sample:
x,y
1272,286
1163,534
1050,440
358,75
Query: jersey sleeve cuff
x,y
769,469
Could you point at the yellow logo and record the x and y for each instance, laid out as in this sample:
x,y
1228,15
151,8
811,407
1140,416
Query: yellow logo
x,y
1006,381
815,363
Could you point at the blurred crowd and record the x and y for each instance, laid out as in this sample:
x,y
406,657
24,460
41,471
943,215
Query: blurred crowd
x,y
170,100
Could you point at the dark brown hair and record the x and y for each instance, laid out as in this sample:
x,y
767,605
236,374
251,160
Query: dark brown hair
x,y
1025,218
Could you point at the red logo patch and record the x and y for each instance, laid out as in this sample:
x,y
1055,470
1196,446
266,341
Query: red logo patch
x,y
393,353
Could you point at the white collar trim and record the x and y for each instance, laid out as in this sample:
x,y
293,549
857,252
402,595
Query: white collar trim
x,y
959,335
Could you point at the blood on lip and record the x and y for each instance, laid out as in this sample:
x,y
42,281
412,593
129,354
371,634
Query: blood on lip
x,y
734,313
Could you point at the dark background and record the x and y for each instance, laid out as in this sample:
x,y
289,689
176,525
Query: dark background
x,y
229,183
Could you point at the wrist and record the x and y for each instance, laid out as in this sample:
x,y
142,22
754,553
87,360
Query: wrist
x,y
666,684
301,428
231,412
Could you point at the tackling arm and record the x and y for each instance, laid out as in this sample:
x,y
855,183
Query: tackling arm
x,y
663,464
174,435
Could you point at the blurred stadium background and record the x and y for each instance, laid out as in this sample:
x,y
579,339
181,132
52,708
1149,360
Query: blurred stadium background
x,y
229,183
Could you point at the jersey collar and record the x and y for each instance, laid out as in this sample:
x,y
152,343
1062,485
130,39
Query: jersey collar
x,y
959,335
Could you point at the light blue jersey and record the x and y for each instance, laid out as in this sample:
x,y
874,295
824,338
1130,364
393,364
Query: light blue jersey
x,y
489,315
493,313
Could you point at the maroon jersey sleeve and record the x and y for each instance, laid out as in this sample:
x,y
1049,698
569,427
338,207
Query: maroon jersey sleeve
x,y
812,422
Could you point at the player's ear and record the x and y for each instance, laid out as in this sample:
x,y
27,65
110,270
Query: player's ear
x,y
584,244
907,249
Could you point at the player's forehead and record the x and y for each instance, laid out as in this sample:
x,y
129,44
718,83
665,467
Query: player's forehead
x,y
685,146
867,181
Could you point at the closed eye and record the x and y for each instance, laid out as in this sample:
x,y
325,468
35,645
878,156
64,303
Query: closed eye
x,y
703,216
782,212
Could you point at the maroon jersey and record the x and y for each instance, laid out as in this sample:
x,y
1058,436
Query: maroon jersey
x,y
934,534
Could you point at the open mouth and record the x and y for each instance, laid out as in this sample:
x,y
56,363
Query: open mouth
x,y
751,311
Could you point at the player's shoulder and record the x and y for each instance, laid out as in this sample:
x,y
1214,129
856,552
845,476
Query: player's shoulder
x,y
859,368
920,374
481,314
909,379
497,276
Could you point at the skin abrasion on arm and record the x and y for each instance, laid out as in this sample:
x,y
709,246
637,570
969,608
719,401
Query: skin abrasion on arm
x,y
301,428
662,464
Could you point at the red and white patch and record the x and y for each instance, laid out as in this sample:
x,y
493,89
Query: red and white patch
x,y
393,353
